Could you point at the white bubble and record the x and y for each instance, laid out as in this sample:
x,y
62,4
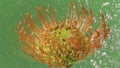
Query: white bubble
x,y
106,3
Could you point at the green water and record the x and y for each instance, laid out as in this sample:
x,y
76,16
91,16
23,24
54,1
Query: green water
x,y
12,12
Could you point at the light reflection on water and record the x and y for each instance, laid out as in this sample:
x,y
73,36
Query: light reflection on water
x,y
108,55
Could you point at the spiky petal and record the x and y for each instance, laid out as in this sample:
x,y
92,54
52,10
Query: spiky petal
x,y
61,44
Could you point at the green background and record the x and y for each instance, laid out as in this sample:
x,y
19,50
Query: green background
x,y
12,12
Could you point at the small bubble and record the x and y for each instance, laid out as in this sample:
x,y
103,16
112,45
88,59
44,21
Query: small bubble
x,y
104,53
94,63
106,3
115,15
91,60
97,66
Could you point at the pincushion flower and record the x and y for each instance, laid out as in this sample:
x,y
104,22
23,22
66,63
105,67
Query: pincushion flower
x,y
61,43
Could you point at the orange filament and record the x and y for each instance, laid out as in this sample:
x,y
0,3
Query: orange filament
x,y
63,43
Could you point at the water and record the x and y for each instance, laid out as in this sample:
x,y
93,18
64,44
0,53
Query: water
x,y
11,12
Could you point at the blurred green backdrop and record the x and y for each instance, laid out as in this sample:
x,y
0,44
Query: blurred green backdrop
x,y
12,12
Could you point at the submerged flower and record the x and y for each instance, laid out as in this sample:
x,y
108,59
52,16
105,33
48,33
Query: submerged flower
x,y
65,42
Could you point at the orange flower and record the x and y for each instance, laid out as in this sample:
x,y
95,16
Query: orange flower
x,y
61,43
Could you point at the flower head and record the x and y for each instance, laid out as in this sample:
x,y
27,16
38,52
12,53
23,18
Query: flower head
x,y
65,42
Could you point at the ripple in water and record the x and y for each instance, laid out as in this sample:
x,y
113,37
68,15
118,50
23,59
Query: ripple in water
x,y
108,55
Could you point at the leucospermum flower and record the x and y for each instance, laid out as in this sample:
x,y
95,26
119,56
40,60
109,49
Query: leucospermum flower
x,y
62,43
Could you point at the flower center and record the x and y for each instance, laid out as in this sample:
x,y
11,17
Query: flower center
x,y
62,33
